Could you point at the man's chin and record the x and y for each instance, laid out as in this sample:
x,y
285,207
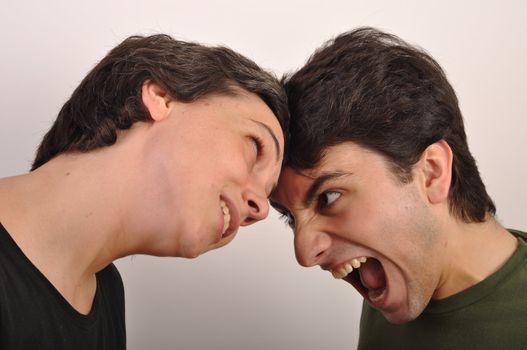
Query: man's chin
x,y
401,315
397,319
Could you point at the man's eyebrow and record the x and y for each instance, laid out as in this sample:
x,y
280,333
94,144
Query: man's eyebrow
x,y
272,190
318,182
273,136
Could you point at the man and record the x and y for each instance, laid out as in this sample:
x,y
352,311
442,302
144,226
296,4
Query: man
x,y
381,190
165,148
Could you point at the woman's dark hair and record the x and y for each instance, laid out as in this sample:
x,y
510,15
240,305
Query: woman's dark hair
x,y
109,97
375,90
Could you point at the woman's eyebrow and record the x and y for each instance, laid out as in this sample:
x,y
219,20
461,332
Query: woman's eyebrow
x,y
273,136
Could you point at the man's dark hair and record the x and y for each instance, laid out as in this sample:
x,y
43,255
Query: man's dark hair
x,y
375,90
109,97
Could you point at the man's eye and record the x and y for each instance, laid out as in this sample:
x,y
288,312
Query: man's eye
x,y
288,219
327,198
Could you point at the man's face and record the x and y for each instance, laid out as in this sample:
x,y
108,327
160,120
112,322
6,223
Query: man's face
x,y
352,212
211,165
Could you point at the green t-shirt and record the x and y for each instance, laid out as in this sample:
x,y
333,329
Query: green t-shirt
x,y
489,315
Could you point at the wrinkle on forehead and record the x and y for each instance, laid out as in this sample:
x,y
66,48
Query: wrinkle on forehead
x,y
302,184
297,182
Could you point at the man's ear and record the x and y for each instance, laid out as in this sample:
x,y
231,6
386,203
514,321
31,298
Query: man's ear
x,y
436,167
156,100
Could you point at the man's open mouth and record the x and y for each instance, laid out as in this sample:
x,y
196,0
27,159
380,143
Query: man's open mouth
x,y
367,276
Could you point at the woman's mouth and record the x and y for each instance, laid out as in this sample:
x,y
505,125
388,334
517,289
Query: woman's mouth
x,y
231,218
226,217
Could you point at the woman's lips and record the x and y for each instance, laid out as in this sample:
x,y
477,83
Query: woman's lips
x,y
231,218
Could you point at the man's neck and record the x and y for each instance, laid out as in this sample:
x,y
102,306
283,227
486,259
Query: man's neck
x,y
474,252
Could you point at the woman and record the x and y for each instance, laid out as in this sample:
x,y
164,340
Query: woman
x,y
165,148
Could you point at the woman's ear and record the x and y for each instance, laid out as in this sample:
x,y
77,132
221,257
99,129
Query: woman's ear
x,y
436,166
156,100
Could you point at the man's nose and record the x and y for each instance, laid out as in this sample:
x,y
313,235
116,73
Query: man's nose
x,y
311,245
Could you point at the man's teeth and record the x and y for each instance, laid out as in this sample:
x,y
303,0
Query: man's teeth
x,y
226,216
345,269
376,294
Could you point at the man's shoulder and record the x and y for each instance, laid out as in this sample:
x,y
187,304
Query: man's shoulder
x,y
518,233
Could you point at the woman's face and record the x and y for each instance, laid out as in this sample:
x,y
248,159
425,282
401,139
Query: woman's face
x,y
210,165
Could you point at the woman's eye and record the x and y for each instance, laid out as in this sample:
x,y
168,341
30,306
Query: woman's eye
x,y
258,146
327,198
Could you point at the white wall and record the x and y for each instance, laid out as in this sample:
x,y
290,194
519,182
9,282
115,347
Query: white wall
x,y
251,294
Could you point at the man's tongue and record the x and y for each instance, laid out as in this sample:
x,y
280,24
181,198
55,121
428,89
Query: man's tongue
x,y
372,274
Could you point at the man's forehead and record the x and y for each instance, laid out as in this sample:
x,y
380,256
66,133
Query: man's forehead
x,y
339,158
290,182
293,183
336,160
345,156
290,176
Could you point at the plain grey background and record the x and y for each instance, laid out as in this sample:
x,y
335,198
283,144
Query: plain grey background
x,y
252,294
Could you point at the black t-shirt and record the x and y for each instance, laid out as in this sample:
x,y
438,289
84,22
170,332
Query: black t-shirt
x,y
34,315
